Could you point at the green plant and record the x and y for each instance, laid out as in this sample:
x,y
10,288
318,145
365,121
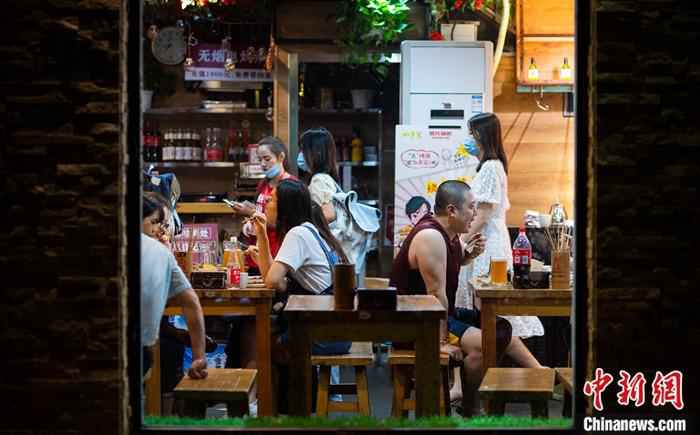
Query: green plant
x,y
369,27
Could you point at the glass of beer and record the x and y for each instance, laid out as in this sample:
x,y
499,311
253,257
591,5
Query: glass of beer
x,y
499,270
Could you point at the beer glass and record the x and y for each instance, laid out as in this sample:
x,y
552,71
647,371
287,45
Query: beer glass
x,y
499,270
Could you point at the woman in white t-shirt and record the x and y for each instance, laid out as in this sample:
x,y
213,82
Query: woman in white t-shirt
x,y
307,254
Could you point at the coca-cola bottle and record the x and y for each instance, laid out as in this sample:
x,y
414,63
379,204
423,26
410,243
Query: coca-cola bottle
x,y
522,257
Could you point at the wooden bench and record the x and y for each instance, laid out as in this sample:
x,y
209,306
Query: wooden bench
x,y
503,385
402,363
231,386
565,376
359,357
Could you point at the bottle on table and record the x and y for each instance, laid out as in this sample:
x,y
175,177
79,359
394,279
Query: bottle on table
x,y
522,257
233,264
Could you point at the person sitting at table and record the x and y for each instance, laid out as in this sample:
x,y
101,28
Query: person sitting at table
x,y
272,153
305,260
163,280
429,262
173,341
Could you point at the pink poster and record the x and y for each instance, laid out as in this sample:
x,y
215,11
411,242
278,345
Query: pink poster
x,y
206,242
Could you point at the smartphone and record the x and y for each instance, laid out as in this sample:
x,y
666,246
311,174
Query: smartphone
x,y
229,202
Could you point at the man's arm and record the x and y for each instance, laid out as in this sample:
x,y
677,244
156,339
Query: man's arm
x,y
429,251
192,310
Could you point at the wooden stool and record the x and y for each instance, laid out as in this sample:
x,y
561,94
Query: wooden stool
x,y
502,385
402,363
359,357
565,376
231,386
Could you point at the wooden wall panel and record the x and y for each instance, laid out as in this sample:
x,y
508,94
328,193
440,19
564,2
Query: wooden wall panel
x,y
547,17
539,146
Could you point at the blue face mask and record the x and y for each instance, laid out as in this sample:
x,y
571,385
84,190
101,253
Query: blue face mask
x,y
273,172
301,163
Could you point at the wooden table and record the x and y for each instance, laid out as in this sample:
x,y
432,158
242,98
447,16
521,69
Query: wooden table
x,y
416,319
504,300
255,301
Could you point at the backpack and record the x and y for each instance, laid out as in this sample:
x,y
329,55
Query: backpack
x,y
354,225
168,186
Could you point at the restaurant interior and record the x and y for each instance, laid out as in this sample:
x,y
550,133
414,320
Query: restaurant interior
x,y
225,81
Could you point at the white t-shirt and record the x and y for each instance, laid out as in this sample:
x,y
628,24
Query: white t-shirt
x,y
302,253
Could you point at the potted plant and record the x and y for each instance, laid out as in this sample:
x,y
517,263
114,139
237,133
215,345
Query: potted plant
x,y
444,25
369,27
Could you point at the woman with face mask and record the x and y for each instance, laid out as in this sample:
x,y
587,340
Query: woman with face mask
x,y
490,189
272,154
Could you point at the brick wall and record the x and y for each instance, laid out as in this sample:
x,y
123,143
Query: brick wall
x,y
61,202
646,162
61,196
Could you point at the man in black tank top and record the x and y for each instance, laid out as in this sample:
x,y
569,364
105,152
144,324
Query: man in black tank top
x,y
428,263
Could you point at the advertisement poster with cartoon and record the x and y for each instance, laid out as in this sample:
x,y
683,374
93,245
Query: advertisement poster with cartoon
x,y
425,157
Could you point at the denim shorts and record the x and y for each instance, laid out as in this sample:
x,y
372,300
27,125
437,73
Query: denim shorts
x,y
462,320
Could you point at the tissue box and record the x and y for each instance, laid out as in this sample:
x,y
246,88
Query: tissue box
x,y
376,298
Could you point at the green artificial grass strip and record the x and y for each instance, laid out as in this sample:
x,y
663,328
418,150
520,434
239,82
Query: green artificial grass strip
x,y
363,422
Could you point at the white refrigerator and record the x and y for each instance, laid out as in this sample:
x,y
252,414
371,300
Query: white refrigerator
x,y
443,84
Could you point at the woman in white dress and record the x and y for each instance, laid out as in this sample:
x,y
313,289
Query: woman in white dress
x,y
490,189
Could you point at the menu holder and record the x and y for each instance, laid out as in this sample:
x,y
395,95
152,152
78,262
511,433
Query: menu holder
x,y
208,279
376,298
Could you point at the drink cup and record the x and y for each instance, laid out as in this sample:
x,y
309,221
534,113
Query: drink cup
x,y
499,270
244,280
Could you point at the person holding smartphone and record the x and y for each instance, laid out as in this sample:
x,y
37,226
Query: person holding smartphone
x,y
272,153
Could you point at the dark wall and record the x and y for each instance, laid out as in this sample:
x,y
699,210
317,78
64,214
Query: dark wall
x,y
61,195
61,192
646,162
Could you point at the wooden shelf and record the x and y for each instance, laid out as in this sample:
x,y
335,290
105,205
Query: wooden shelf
x,y
203,208
168,111
193,164
546,86
341,111
369,163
